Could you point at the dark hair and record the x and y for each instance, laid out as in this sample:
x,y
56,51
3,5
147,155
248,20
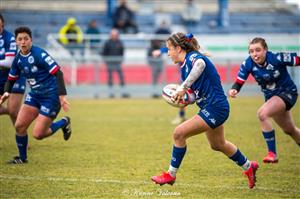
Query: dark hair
x,y
23,29
1,18
260,40
186,41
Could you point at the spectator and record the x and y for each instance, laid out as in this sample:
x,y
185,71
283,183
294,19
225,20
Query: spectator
x,y
113,52
155,60
191,14
123,19
70,35
93,31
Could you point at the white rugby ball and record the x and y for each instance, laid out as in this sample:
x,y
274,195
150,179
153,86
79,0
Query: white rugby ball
x,y
169,90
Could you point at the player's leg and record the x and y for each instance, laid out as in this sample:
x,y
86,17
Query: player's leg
x,y
25,117
189,128
286,123
274,106
45,126
14,103
218,142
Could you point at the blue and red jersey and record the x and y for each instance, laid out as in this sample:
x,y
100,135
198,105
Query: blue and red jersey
x,y
273,76
38,67
207,87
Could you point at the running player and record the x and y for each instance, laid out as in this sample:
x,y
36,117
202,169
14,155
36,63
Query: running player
x,y
199,74
46,97
270,71
8,50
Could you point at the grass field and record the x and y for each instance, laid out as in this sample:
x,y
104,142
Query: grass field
x,y
117,145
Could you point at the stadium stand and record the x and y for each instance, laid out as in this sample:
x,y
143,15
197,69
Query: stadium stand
x,y
246,16
269,16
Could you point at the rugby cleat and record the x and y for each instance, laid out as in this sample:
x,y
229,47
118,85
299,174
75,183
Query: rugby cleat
x,y
165,178
17,160
67,128
251,174
271,157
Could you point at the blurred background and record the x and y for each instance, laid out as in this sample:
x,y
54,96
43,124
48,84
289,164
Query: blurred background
x,y
75,33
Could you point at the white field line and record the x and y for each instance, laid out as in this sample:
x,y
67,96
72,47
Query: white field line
x,y
111,181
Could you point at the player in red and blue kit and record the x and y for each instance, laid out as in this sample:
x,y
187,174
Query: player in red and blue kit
x,y
270,72
45,98
8,50
199,74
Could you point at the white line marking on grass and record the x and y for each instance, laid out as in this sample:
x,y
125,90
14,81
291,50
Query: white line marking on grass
x,y
111,181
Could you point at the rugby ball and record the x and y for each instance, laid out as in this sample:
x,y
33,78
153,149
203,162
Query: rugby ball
x,y
169,90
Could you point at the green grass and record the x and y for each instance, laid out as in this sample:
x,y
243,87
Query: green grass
x,y
117,145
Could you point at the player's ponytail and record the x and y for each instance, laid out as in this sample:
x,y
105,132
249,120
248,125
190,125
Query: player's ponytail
x,y
186,41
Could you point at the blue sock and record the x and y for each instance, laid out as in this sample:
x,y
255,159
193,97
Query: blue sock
x,y
239,158
270,140
57,125
177,156
22,142
181,113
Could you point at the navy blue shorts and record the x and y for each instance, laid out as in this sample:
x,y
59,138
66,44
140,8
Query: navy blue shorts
x,y
289,98
48,105
214,116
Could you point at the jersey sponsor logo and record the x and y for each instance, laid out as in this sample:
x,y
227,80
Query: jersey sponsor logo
x,y
49,60
271,86
16,86
53,113
26,69
34,69
270,67
213,120
287,57
45,109
205,112
254,68
13,46
30,59
31,81
192,57
276,73
28,98
43,55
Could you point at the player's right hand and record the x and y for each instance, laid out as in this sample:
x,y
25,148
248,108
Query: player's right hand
x,y
4,97
232,93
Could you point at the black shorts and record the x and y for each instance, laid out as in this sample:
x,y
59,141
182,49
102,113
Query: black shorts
x,y
289,99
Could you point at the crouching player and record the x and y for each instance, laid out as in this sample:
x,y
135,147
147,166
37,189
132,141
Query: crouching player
x,y
45,98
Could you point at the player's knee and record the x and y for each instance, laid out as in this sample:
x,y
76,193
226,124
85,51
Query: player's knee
x,y
13,114
262,116
178,134
38,136
20,129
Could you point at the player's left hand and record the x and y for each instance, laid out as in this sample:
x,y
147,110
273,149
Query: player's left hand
x,y
178,94
4,97
64,103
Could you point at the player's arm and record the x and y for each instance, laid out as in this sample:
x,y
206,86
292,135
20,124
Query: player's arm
x,y
197,70
195,73
239,82
289,59
62,91
8,87
8,60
